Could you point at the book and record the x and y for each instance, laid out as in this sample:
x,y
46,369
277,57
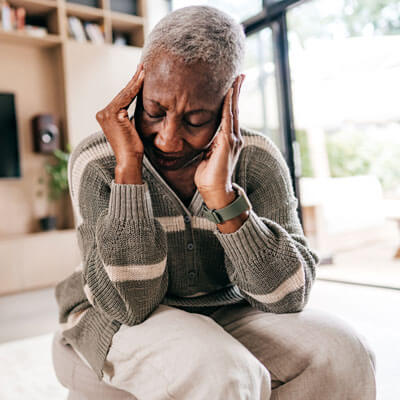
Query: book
x,y
120,40
6,17
76,30
20,16
37,31
93,32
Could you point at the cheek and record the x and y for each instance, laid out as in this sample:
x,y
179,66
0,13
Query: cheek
x,y
144,125
202,138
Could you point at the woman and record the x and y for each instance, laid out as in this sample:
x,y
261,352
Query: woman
x,y
174,300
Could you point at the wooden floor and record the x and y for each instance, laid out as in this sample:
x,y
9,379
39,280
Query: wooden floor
x,y
372,312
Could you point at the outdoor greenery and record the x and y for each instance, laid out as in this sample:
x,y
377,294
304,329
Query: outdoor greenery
x,y
360,153
378,16
357,153
306,166
344,18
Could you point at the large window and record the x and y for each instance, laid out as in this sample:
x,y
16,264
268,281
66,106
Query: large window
x,y
345,82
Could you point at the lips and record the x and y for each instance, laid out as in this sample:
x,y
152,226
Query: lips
x,y
167,158
164,157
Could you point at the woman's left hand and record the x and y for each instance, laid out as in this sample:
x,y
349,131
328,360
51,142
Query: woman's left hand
x,y
213,176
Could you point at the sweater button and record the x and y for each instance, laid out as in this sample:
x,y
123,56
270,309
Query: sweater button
x,y
192,274
190,246
186,218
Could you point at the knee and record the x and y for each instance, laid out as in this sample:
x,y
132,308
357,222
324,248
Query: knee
x,y
225,364
341,356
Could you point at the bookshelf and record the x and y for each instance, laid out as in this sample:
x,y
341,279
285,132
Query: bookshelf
x,y
54,73
53,16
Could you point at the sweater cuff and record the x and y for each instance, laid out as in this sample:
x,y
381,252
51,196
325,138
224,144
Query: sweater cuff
x,y
130,201
249,241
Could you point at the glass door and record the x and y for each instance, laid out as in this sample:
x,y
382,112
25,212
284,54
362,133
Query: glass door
x,y
258,104
345,82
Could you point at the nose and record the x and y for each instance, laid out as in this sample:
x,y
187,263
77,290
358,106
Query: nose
x,y
168,139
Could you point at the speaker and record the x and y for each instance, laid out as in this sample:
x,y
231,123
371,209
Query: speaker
x,y
46,134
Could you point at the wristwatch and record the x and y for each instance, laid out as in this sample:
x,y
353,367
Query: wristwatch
x,y
232,210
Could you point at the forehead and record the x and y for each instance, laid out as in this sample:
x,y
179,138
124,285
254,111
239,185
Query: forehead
x,y
168,78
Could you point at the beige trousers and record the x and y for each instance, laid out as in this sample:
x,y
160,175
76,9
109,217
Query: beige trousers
x,y
239,352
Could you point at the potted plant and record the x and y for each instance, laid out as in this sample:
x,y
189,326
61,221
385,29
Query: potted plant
x,y
57,174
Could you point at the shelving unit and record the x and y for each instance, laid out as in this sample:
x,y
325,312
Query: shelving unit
x,y
21,37
53,14
72,80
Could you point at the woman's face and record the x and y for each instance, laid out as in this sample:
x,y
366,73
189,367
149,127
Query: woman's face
x,y
177,114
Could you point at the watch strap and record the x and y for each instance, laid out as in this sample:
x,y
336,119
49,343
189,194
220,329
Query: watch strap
x,y
232,210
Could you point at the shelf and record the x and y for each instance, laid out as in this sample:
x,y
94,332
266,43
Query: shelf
x,y
131,27
41,13
22,37
35,7
124,22
84,12
88,43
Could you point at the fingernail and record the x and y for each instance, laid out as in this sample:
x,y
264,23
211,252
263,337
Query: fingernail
x,y
141,74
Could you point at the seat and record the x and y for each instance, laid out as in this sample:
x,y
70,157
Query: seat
x,y
78,378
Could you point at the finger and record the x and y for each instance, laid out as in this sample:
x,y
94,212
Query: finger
x,y
238,133
125,97
226,123
235,105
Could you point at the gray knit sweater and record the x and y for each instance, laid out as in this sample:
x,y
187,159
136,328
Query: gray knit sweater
x,y
140,246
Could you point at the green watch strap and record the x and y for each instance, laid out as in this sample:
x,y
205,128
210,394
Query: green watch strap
x,y
232,210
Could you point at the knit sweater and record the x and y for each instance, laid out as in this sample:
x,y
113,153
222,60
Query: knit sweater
x,y
141,246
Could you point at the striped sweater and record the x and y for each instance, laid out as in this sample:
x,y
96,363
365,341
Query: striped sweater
x,y
141,246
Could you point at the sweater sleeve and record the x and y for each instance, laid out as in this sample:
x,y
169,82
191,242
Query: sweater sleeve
x,y
123,247
268,257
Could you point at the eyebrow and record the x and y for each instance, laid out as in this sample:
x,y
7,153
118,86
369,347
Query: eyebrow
x,y
200,110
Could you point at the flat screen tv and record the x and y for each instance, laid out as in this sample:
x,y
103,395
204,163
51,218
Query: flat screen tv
x,y
9,150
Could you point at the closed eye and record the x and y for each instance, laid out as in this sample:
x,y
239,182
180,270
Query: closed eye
x,y
152,116
197,125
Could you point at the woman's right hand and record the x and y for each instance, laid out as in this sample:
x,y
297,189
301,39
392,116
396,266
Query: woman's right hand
x,y
121,132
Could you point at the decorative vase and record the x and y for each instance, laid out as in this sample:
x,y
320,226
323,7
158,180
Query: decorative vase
x,y
48,223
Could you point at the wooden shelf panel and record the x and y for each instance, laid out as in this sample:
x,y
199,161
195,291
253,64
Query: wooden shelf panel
x,y
89,43
124,22
22,37
35,7
84,12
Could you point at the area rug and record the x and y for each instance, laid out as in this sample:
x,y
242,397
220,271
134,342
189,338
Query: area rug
x,y
26,370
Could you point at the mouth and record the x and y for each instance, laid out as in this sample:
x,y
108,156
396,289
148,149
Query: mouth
x,y
169,162
166,161
164,157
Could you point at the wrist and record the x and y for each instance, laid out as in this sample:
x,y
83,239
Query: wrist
x,y
217,200
220,197
129,174
230,213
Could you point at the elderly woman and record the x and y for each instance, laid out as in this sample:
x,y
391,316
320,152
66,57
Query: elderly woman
x,y
195,270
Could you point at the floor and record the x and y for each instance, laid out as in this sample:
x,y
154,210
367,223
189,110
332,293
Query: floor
x,y
372,263
28,320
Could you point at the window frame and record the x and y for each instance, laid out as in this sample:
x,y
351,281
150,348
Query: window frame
x,y
273,16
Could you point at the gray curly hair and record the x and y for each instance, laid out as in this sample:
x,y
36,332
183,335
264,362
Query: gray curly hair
x,y
200,33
